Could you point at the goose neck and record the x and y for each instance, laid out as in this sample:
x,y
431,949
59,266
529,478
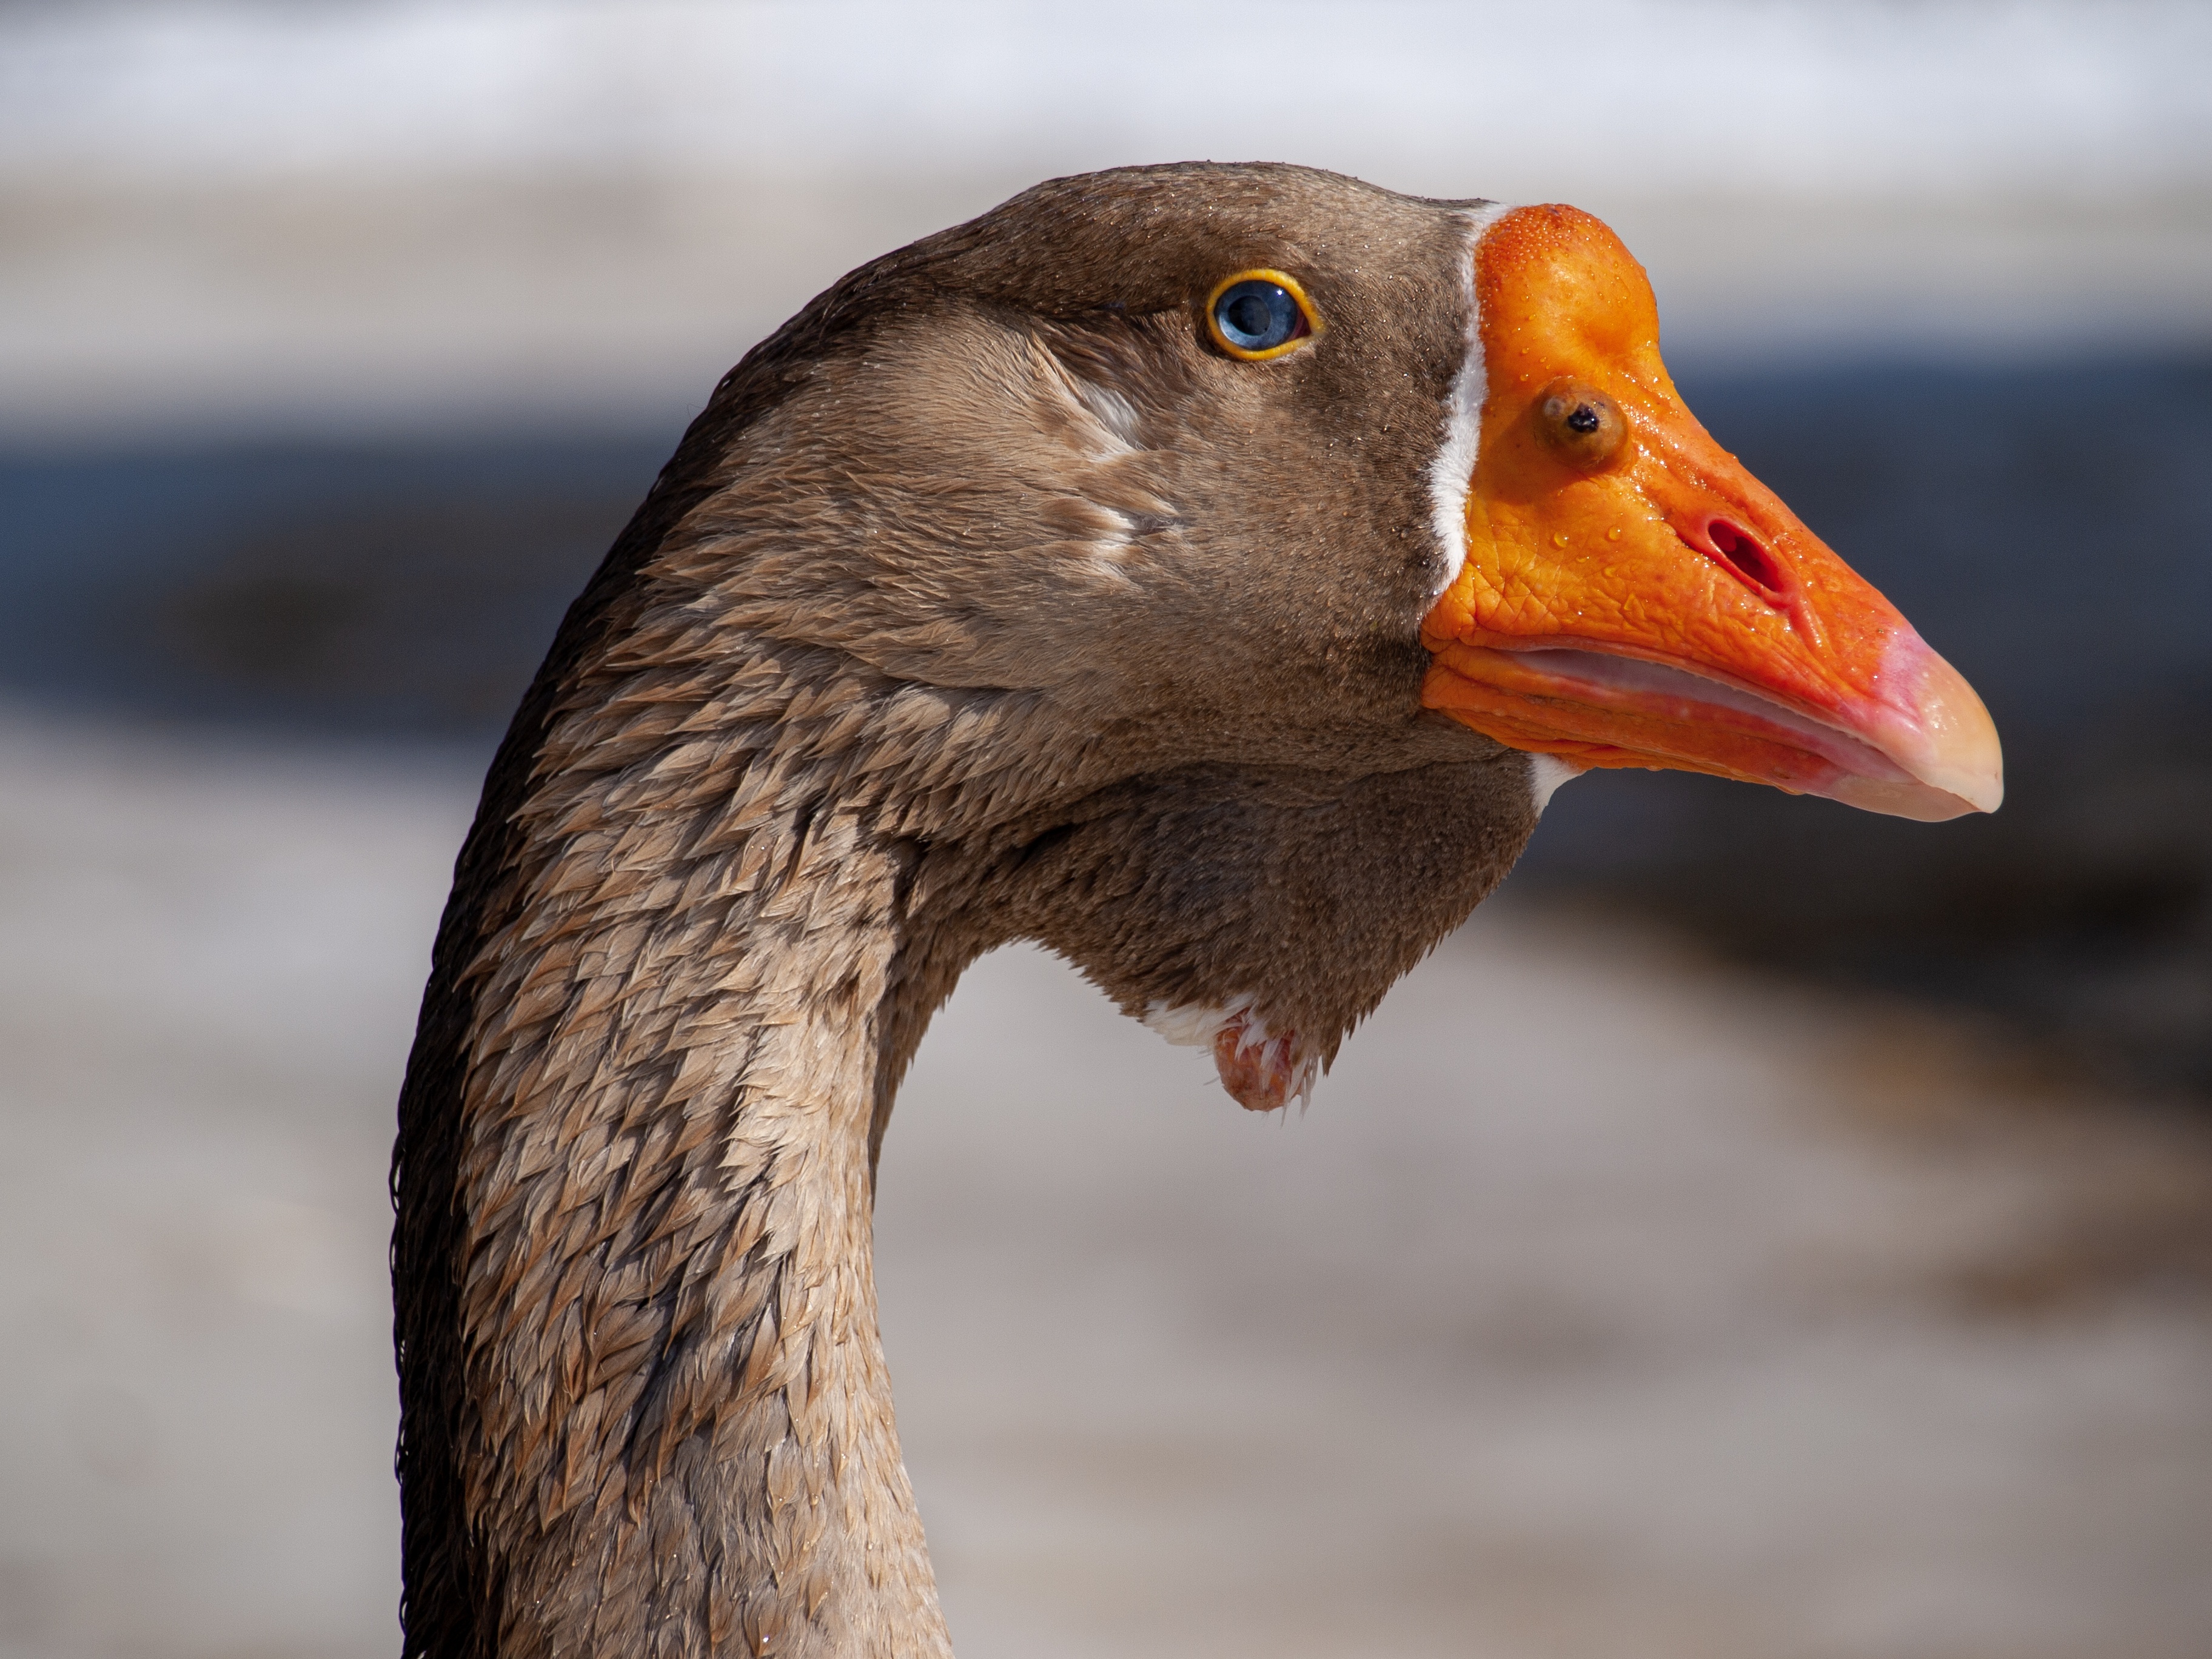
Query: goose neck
x,y
677,1418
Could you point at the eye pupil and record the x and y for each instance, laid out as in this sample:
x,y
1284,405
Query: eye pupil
x,y
1247,314
1584,419
1256,315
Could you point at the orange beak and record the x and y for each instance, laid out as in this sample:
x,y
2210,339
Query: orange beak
x,y
1632,597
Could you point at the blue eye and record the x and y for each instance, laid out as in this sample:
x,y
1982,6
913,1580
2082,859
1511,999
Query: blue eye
x,y
1259,315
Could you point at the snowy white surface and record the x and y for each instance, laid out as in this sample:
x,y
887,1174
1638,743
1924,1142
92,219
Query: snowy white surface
x,y
1443,96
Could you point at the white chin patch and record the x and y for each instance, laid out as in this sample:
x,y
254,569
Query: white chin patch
x,y
1262,1069
1187,1025
1545,773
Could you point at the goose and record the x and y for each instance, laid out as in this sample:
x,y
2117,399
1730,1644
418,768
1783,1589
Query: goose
x,y
1205,571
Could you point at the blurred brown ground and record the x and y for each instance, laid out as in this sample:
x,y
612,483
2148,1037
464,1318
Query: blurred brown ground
x,y
1605,1302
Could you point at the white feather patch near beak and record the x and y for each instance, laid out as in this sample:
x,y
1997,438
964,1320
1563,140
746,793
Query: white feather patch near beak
x,y
1545,773
1453,470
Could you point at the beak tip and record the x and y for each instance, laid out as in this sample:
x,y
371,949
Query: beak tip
x,y
1949,742
1986,794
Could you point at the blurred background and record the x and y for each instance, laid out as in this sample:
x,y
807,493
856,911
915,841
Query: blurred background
x,y
1766,1231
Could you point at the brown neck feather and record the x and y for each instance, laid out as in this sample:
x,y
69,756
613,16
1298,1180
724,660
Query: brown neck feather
x,y
695,939
646,1404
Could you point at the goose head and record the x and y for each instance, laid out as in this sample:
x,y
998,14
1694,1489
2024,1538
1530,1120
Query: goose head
x,y
1279,544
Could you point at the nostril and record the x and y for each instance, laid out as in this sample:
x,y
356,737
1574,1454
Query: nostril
x,y
1742,554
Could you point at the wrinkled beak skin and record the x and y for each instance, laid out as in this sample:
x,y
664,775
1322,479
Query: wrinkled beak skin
x,y
1632,597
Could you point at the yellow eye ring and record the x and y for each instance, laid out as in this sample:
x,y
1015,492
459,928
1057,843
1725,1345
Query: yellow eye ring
x,y
1255,315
